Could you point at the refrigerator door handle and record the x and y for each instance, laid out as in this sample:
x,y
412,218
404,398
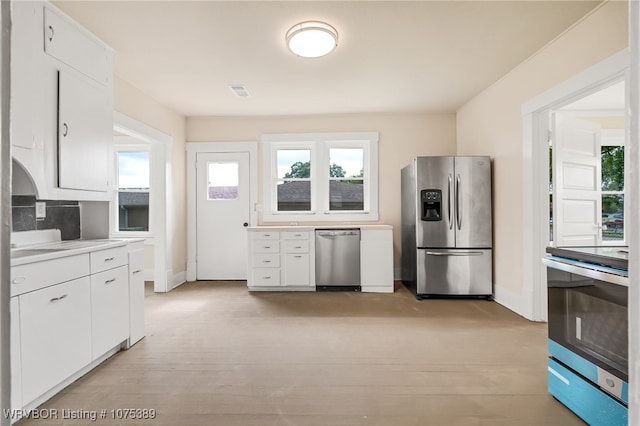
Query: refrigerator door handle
x,y
458,208
467,253
449,202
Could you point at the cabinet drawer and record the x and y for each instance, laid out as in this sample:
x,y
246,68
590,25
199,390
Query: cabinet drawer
x,y
33,276
109,310
266,277
266,235
55,325
296,235
266,260
296,246
108,259
266,246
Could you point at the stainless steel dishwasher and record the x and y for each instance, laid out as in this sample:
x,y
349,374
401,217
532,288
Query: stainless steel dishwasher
x,y
338,259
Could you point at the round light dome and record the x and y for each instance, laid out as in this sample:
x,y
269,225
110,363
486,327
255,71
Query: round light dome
x,y
312,39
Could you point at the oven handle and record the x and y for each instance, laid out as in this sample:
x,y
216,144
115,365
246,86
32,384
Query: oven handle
x,y
586,272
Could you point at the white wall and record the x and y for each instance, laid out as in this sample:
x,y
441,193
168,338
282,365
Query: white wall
x,y
490,124
402,137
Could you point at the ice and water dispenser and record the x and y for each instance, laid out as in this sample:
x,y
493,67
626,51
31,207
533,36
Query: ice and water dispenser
x,y
431,200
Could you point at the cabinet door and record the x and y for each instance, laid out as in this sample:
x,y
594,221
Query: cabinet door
x,y
376,260
55,325
26,88
109,310
136,296
75,47
296,270
16,366
84,134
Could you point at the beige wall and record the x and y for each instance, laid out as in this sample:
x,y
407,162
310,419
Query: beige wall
x,y
131,102
402,137
491,122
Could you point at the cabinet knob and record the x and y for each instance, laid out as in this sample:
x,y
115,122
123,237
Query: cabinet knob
x,y
51,33
65,129
245,224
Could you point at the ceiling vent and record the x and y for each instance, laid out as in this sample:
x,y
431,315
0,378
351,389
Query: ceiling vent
x,y
239,90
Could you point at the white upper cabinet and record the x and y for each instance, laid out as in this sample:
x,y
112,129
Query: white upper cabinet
x,y
62,104
74,47
83,134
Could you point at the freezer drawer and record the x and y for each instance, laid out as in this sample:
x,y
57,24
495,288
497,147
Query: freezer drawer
x,y
454,272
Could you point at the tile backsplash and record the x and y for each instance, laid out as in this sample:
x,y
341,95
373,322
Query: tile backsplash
x,y
62,215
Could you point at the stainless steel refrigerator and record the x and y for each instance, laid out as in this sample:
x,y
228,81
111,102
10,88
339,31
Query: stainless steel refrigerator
x,y
446,226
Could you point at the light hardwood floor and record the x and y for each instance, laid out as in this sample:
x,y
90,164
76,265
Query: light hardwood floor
x,y
217,355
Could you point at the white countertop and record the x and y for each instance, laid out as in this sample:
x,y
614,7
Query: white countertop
x,y
314,227
55,250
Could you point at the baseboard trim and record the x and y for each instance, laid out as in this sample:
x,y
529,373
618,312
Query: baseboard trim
x,y
178,279
513,301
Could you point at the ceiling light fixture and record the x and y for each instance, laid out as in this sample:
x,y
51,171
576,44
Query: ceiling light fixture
x,y
312,39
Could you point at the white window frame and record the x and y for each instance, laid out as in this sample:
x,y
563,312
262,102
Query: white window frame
x,y
319,145
115,231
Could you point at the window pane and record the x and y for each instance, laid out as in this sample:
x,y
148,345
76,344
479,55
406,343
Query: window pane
x,y
222,181
133,169
294,163
612,168
346,162
613,217
346,195
294,196
133,211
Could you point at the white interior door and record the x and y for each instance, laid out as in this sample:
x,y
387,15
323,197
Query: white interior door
x,y
577,203
222,211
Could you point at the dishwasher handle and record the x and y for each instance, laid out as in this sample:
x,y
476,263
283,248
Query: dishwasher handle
x,y
337,233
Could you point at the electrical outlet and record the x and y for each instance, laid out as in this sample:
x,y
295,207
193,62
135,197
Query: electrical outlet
x,y
41,209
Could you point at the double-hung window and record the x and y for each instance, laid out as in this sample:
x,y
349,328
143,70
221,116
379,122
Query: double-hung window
x,y
320,177
133,189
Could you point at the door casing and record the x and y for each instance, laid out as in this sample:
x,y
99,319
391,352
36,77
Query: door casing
x,y
193,148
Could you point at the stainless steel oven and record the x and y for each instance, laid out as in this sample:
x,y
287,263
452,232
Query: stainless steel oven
x,y
588,343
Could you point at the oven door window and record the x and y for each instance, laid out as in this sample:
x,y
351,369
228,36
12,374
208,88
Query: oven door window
x,y
589,317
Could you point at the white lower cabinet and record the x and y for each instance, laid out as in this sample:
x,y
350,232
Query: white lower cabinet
x,y
55,335
283,258
297,269
376,260
136,292
16,366
68,314
109,310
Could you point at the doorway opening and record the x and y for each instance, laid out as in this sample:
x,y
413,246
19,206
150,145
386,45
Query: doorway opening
x,y
537,115
133,137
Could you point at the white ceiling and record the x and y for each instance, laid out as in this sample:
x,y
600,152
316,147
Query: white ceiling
x,y
392,56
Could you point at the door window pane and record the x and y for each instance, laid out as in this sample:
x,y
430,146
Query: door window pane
x,y
223,181
612,168
613,217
